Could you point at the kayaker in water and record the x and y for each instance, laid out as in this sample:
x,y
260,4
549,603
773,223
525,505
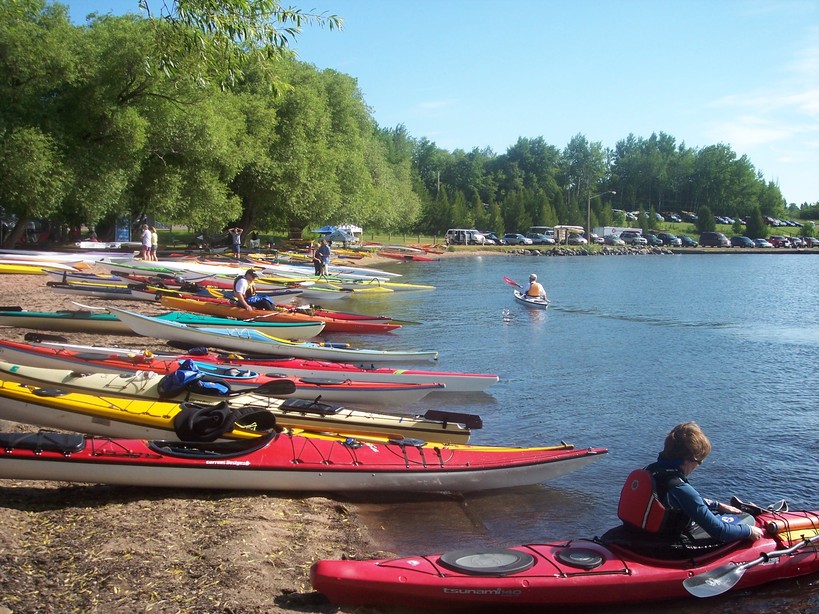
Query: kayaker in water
x,y
535,289
244,291
685,449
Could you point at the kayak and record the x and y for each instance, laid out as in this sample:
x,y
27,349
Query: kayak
x,y
145,384
289,461
117,360
112,415
189,268
252,340
109,324
333,322
531,301
578,573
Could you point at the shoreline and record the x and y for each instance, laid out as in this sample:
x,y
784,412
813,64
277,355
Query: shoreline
x,y
106,548
78,547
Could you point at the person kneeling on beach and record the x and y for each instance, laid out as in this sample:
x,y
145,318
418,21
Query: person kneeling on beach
x,y
244,291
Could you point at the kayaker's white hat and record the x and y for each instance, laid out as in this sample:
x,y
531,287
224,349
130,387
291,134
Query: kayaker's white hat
x,y
532,277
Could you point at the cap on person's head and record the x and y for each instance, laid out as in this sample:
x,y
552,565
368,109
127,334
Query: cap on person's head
x,y
251,273
532,277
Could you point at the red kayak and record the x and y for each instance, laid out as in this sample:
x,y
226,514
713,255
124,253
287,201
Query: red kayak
x,y
333,323
581,572
290,461
116,360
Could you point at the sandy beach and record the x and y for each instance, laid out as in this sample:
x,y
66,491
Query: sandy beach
x,y
91,548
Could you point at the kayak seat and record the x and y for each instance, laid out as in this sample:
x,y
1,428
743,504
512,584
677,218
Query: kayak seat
x,y
43,441
209,450
658,546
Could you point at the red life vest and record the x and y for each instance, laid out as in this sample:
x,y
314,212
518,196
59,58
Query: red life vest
x,y
640,505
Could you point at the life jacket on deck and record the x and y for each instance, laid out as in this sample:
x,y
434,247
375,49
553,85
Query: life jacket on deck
x,y
641,501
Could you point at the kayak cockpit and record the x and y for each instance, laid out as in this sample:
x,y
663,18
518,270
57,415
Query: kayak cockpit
x,y
43,441
210,450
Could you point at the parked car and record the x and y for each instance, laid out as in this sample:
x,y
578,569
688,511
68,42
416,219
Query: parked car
x,y
654,240
669,239
540,239
613,240
490,238
779,241
673,218
463,236
714,239
575,239
741,242
762,243
593,238
514,238
633,238
688,241
810,241
796,242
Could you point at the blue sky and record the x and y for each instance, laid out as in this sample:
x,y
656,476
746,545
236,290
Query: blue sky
x,y
475,73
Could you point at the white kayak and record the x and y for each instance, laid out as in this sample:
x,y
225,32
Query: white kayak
x,y
250,340
531,301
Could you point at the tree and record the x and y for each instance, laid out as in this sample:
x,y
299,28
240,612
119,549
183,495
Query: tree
x,y
705,220
755,228
33,179
221,38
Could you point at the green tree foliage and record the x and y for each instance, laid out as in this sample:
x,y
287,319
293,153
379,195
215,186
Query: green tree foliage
x,y
128,115
705,220
755,228
221,38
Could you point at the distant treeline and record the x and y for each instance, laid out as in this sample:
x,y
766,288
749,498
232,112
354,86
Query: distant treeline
x,y
98,121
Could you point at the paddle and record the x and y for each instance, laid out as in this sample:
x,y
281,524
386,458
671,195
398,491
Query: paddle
x,y
512,283
274,388
725,577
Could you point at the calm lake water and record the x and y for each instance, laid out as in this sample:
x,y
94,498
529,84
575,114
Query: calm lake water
x,y
631,346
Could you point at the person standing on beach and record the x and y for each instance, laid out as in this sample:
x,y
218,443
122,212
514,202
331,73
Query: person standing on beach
x,y
145,243
154,243
323,253
316,260
236,238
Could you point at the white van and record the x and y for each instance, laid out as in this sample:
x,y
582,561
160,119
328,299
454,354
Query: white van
x,y
463,236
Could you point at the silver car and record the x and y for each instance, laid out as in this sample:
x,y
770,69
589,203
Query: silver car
x,y
514,238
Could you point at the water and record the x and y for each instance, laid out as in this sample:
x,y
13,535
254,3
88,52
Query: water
x,y
631,346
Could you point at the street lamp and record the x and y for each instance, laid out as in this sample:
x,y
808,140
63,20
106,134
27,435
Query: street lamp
x,y
588,212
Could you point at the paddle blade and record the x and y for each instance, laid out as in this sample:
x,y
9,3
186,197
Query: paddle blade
x,y
275,388
715,582
512,282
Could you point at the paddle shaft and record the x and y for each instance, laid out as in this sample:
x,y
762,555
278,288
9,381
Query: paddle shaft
x,y
718,581
766,556
512,282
